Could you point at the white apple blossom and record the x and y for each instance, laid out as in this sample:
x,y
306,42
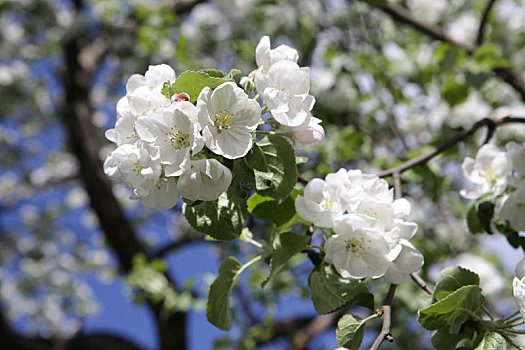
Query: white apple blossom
x,y
164,194
205,180
517,155
174,131
266,57
228,118
367,186
323,200
307,134
124,131
408,261
144,92
357,251
513,208
488,172
284,88
135,167
518,286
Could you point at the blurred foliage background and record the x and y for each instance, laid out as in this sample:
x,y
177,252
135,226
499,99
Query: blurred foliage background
x,y
391,79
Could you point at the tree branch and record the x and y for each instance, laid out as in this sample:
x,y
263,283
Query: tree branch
x,y
182,242
83,140
386,311
316,326
421,283
483,22
183,6
402,15
425,157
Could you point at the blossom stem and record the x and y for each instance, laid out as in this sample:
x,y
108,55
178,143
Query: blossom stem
x,y
425,157
510,316
264,110
486,311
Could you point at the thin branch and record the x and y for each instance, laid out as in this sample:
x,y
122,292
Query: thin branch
x,y
316,326
483,22
386,311
397,185
182,6
435,32
421,283
424,158
172,246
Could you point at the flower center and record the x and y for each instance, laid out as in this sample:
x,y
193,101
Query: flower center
x,y
491,177
330,203
357,245
223,120
284,91
178,139
205,177
370,212
137,169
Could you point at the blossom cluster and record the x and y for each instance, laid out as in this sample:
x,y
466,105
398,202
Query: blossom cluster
x,y
499,174
370,229
169,147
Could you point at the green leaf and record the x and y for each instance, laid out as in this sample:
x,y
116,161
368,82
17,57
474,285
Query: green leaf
x,y
290,244
192,82
513,237
485,212
269,209
218,308
453,278
455,93
270,168
472,220
350,332
222,218
444,340
452,311
331,292
490,56
495,341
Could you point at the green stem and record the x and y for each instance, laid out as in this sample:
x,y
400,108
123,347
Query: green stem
x,y
511,316
255,243
371,317
264,110
314,247
485,310
248,264
265,132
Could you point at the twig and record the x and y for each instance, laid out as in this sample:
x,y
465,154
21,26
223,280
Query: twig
x,y
159,253
435,32
316,326
386,311
421,283
483,22
423,158
397,185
